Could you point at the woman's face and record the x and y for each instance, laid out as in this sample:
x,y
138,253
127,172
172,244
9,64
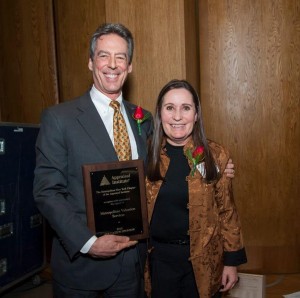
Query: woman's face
x,y
178,116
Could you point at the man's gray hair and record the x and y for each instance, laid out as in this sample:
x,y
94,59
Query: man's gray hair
x,y
114,28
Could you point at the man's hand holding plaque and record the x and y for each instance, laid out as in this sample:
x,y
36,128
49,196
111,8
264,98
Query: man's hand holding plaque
x,y
109,245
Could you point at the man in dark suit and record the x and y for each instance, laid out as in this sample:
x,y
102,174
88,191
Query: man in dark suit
x,y
81,132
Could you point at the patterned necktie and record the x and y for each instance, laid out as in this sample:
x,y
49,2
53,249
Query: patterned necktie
x,y
121,138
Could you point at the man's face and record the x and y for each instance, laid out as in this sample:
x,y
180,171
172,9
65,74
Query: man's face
x,y
110,65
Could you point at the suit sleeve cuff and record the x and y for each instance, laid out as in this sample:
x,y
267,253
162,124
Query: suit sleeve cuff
x,y
235,258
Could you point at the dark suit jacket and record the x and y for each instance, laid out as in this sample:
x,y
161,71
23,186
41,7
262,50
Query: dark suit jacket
x,y
73,134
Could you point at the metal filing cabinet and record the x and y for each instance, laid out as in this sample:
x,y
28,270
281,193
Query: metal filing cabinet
x,y
22,245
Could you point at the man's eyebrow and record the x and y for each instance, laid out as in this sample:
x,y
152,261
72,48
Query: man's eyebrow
x,y
122,53
106,52
102,52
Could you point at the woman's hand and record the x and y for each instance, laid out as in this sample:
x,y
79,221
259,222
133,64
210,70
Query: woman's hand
x,y
229,278
229,170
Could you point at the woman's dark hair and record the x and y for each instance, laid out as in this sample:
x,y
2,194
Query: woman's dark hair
x,y
111,28
198,135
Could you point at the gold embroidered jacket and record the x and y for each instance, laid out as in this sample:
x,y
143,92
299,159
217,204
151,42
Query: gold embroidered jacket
x,y
214,225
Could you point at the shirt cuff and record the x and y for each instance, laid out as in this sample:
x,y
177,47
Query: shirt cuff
x,y
85,249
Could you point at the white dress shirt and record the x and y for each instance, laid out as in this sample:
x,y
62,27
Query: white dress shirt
x,y
106,112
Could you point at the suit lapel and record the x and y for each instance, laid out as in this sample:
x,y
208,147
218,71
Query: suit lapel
x,y
95,128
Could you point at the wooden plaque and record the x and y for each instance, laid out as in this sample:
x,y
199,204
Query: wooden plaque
x,y
116,198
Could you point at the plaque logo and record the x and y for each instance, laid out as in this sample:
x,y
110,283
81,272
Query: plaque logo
x,y
104,181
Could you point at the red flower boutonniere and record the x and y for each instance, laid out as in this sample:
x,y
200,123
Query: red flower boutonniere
x,y
140,117
196,157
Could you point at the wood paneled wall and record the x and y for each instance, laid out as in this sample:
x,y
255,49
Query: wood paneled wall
x,y
51,66
165,47
250,91
165,44
75,22
28,78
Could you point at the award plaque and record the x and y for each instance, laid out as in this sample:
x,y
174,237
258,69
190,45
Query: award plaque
x,y
116,199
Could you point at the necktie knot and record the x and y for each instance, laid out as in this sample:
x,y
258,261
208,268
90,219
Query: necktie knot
x,y
115,105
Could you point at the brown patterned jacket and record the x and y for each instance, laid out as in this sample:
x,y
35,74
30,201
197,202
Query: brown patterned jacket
x,y
214,225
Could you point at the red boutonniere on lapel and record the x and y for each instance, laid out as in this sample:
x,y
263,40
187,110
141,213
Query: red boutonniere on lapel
x,y
195,157
139,117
